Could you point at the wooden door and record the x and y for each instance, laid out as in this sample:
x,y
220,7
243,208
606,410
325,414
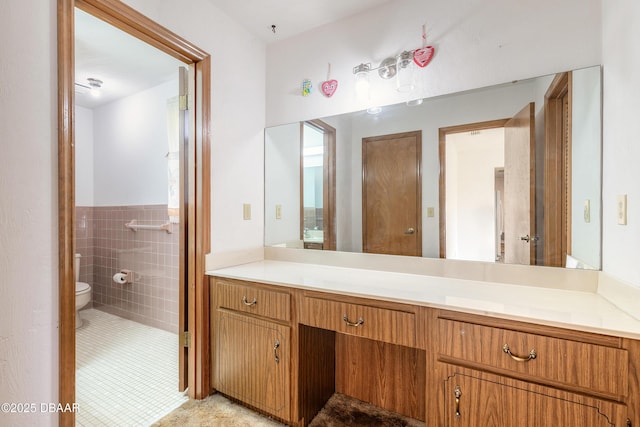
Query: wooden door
x,y
392,194
519,187
185,129
253,362
472,401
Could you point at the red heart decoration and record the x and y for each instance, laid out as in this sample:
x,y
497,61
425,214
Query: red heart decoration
x,y
423,56
329,88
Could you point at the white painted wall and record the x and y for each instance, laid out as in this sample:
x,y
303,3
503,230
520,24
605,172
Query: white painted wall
x,y
130,144
471,162
586,137
282,172
84,156
478,43
621,145
28,209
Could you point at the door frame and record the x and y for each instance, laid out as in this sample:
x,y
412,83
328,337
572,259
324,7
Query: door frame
x,y
197,227
557,171
442,153
328,182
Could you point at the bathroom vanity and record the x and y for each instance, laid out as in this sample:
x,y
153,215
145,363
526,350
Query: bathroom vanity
x,y
286,335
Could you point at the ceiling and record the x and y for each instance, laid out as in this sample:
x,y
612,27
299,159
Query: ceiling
x,y
290,17
127,65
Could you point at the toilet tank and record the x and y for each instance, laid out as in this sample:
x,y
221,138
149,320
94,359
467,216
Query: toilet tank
x,y
76,267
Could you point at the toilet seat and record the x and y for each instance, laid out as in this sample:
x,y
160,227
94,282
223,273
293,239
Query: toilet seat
x,y
82,287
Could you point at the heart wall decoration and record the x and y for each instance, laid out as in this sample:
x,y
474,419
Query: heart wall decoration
x,y
423,56
329,87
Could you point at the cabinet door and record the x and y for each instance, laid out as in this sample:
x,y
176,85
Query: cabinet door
x,y
473,400
253,362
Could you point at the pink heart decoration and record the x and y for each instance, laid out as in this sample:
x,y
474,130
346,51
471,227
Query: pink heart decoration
x,y
329,88
423,56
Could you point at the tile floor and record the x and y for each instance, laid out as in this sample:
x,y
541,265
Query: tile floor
x,y
127,373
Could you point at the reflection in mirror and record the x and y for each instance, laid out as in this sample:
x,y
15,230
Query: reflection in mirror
x,y
563,168
318,185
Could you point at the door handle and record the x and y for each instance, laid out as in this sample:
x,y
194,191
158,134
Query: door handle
x,y
410,230
525,238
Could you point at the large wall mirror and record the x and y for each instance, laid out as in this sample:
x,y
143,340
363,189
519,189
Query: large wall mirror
x,y
505,174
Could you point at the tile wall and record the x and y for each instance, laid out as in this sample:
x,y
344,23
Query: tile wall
x,y
108,247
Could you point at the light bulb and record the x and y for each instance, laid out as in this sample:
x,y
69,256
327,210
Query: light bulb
x,y
405,77
362,85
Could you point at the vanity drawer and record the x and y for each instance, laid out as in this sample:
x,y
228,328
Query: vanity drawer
x,y
376,323
586,367
247,298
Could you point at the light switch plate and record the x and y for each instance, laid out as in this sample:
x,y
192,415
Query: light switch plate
x,y
246,211
278,211
622,209
430,212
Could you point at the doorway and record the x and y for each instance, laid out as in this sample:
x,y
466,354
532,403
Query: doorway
x,y
318,185
474,226
195,205
517,201
392,194
128,141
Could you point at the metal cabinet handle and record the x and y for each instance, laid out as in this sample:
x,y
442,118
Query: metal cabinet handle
x,y
244,300
410,230
532,354
350,323
275,351
457,392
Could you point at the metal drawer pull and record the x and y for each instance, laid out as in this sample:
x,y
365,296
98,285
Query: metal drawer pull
x,y
349,323
275,351
532,354
457,392
244,300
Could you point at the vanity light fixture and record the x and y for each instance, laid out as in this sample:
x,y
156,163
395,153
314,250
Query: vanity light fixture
x,y
386,70
402,67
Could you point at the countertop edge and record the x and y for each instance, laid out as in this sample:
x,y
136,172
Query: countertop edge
x,y
236,272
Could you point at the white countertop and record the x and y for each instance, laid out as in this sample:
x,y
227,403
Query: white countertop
x,y
584,311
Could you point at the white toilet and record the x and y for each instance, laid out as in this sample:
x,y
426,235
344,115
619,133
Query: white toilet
x,y
83,292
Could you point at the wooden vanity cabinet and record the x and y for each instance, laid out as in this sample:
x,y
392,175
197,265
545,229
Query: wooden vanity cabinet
x,y
495,372
252,355
284,351
475,398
